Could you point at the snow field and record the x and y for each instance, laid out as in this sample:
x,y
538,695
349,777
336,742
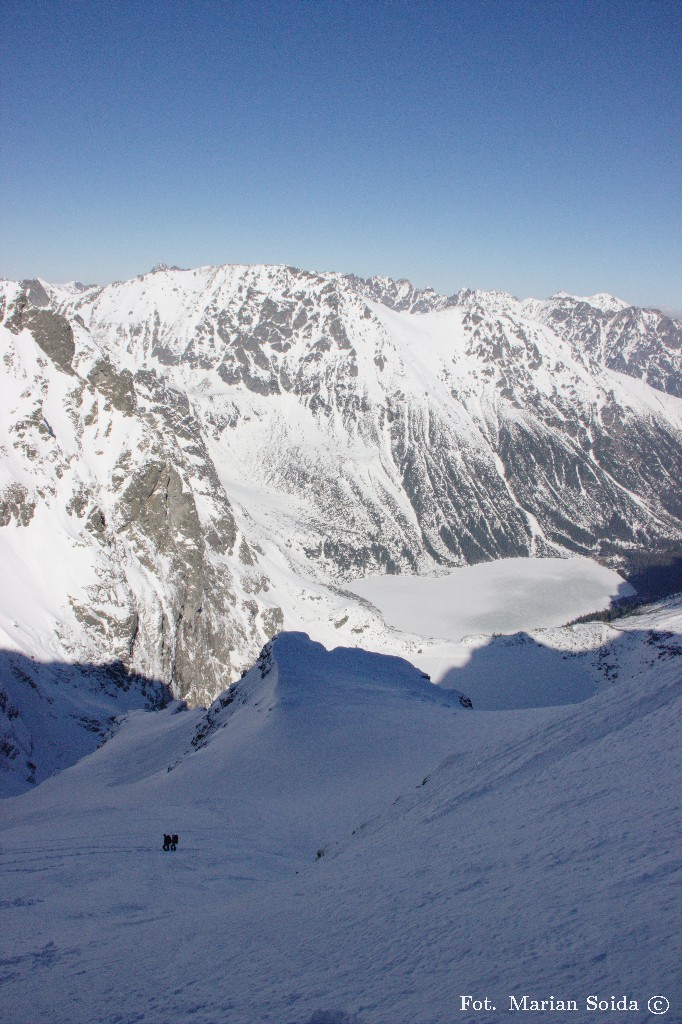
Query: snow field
x,y
496,852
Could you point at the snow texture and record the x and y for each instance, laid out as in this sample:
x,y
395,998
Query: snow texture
x,y
355,845
495,597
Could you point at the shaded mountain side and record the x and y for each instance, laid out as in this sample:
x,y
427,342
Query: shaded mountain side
x,y
53,714
654,576
529,671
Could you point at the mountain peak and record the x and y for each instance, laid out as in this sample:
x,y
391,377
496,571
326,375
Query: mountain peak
x,y
602,300
161,267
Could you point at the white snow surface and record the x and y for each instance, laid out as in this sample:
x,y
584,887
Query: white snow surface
x,y
460,851
603,301
493,597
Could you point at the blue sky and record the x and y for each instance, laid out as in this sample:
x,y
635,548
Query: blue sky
x,y
518,145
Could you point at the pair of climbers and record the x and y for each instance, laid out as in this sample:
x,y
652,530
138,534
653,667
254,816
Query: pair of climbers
x,y
170,842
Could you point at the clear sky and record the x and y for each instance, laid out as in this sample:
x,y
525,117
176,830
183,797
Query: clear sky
x,y
524,145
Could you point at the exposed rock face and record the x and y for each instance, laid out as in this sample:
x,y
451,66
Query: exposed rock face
x,y
115,464
399,295
216,451
52,332
641,343
16,504
116,386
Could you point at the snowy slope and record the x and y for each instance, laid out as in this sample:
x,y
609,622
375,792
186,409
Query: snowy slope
x,y
54,713
355,845
545,866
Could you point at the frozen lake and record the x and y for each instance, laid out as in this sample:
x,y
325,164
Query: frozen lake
x,y
494,597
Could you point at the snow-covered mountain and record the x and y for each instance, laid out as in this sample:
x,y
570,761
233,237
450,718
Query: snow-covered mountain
x,y
194,459
358,847
52,714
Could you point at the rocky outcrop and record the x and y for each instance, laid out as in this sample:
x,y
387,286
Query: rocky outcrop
x,y
116,386
16,505
642,343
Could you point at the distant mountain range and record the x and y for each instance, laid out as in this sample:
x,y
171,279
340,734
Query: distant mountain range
x,y
194,459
